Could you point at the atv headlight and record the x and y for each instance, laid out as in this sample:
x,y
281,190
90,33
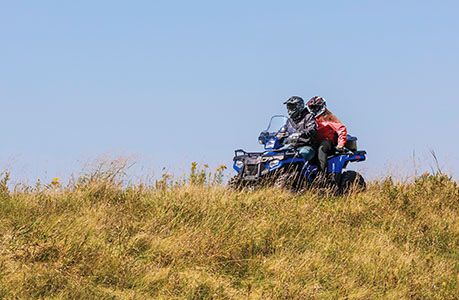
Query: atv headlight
x,y
274,163
239,164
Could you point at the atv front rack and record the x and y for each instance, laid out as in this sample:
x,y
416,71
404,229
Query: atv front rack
x,y
241,152
288,152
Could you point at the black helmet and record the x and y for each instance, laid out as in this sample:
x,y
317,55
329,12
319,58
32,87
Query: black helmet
x,y
295,107
317,105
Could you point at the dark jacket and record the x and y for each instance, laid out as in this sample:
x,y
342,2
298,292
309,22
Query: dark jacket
x,y
307,127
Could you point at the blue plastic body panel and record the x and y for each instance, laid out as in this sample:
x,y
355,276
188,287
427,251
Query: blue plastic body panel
x,y
336,164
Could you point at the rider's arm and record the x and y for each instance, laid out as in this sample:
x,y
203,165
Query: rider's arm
x,y
310,126
341,130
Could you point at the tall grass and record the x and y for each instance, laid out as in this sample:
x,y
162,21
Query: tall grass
x,y
195,239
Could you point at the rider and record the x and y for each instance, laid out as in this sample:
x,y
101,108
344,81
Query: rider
x,y
304,124
331,133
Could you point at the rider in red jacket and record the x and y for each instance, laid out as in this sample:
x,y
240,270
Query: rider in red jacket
x,y
331,133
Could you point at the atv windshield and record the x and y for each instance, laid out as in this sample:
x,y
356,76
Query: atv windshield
x,y
280,124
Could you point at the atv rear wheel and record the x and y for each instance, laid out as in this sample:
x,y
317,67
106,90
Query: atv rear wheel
x,y
352,181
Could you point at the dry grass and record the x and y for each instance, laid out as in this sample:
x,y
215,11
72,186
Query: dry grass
x,y
98,239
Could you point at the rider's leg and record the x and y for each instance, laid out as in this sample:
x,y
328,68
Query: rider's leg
x,y
324,150
307,152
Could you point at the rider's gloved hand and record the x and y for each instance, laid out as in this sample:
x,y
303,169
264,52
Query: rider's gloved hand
x,y
340,149
293,138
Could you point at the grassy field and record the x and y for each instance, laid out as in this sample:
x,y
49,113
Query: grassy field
x,y
98,239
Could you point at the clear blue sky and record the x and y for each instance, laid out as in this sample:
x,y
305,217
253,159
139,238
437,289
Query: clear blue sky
x,y
171,82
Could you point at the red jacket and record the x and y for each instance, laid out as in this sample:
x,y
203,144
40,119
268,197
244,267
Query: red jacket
x,y
334,131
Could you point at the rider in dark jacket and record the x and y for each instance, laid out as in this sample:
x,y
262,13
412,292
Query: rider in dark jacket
x,y
304,125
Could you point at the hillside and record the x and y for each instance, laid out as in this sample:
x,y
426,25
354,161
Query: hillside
x,y
97,239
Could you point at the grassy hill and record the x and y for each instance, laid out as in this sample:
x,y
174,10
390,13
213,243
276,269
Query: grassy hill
x,y
97,239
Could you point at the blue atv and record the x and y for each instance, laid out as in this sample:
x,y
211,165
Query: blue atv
x,y
281,165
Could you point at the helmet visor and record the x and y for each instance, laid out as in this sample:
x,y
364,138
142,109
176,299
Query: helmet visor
x,y
292,106
314,108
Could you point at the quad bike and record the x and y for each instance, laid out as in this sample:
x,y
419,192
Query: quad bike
x,y
281,165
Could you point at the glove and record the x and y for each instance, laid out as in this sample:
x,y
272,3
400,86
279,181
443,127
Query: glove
x,y
340,149
293,138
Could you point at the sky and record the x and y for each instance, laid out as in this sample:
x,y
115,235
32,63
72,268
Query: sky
x,y
170,82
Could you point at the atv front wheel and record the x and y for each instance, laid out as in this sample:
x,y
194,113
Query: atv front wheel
x,y
352,181
286,181
235,183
